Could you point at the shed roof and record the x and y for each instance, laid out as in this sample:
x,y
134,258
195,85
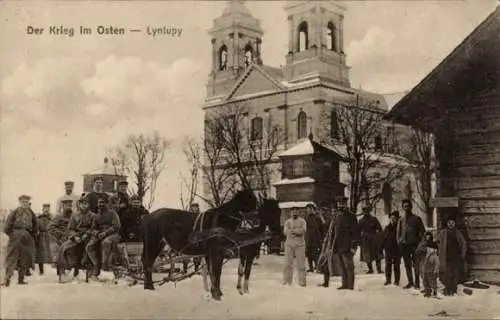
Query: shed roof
x,y
470,71
105,169
307,147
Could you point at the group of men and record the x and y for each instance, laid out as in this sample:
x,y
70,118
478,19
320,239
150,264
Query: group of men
x,y
328,242
86,229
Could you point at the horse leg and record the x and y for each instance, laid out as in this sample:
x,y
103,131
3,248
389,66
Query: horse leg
x,y
218,270
248,269
149,253
212,269
204,274
241,267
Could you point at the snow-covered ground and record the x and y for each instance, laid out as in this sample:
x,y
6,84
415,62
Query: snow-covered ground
x,y
44,298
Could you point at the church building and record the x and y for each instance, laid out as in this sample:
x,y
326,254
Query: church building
x,y
301,98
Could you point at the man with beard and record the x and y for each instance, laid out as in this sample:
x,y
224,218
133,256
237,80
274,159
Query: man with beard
x,y
43,254
345,243
370,229
21,228
410,231
68,196
131,221
314,236
72,250
96,194
105,232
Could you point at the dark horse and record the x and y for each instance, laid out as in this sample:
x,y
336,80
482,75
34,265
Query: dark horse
x,y
269,214
177,229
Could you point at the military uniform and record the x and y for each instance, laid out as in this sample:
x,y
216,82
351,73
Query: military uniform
x,y
43,254
295,248
69,196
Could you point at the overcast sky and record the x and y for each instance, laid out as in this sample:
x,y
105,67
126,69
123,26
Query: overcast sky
x,y
65,100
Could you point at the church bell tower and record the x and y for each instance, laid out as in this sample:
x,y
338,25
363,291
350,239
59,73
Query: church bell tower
x,y
236,43
316,42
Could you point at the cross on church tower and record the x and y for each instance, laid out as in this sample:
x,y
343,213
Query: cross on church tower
x,y
236,43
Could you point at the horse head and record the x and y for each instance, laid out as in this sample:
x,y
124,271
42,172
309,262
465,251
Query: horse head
x,y
270,215
244,201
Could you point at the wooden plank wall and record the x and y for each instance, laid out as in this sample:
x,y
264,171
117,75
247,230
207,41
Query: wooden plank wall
x,y
476,140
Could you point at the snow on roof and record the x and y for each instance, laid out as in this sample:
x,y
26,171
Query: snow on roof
x,y
105,169
303,148
294,181
393,98
295,204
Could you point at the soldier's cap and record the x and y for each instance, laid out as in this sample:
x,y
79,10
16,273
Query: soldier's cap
x,y
394,214
98,178
69,183
24,197
67,201
123,183
83,199
311,205
46,205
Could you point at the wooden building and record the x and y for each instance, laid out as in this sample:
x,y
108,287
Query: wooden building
x,y
459,102
310,175
109,176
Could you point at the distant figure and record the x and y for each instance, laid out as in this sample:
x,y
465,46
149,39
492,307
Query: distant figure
x,y
346,243
21,228
295,229
97,193
326,262
429,264
314,236
410,231
392,251
370,229
452,253
43,254
68,196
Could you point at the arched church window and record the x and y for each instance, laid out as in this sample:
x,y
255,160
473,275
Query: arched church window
x,y
334,125
223,58
303,37
302,125
330,37
257,128
248,54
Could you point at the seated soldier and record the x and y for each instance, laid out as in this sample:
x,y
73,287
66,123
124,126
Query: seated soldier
x,y
59,226
104,232
131,221
72,250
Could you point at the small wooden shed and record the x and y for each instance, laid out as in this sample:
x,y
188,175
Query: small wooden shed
x,y
309,175
459,102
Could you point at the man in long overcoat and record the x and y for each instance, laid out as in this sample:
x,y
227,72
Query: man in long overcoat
x,y
43,254
410,231
345,243
392,251
314,236
370,230
327,263
452,253
105,232
22,229
72,250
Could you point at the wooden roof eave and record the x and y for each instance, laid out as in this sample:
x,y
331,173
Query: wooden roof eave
x,y
421,108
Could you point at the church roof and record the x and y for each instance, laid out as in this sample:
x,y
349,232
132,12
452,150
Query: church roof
x,y
105,169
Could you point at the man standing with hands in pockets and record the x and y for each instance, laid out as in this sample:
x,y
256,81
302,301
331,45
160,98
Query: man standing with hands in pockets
x,y
295,247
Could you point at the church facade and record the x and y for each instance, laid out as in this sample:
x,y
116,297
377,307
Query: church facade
x,y
302,98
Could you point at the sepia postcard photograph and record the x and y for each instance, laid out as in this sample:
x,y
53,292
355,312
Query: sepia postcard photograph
x,y
229,159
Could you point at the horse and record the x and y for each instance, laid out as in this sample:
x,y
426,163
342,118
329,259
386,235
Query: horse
x,y
177,229
270,216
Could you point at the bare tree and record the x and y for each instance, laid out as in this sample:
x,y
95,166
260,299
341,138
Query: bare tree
x,y
189,183
422,157
365,150
142,158
250,152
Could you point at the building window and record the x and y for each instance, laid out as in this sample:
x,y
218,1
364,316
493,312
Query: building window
x,y
257,127
302,125
248,55
378,142
330,37
334,125
303,33
300,168
223,58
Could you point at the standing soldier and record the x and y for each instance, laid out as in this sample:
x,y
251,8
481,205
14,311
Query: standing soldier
x,y
43,254
123,198
68,196
452,254
105,231
97,193
391,251
370,229
314,236
294,230
326,263
345,243
21,228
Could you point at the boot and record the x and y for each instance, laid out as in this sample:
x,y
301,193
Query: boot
x,y
370,268
388,274
20,279
6,282
397,274
326,281
40,268
379,266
